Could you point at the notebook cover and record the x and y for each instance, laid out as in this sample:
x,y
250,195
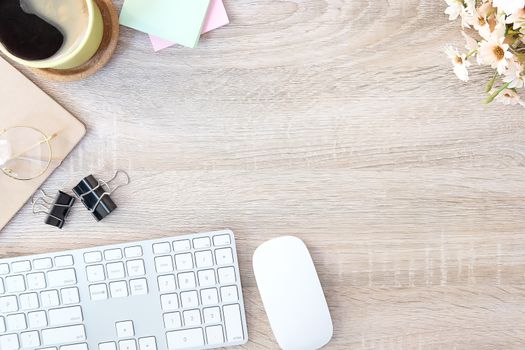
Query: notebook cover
x,y
24,104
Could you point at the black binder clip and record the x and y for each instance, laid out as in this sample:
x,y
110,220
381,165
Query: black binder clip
x,y
56,210
96,194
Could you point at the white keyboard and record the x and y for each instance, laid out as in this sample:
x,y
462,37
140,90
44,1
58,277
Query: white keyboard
x,y
181,292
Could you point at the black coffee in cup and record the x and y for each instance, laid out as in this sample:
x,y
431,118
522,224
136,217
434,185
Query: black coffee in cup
x,y
40,29
26,35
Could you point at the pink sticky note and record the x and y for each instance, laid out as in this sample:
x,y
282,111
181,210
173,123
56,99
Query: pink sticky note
x,y
216,17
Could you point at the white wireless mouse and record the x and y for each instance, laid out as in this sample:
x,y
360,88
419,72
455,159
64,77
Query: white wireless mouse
x,y
292,294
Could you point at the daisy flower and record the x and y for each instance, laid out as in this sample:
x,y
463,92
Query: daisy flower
x,y
459,62
515,75
495,52
509,97
509,6
454,9
517,19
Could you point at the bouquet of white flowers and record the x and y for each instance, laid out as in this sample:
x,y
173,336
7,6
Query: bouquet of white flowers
x,y
494,31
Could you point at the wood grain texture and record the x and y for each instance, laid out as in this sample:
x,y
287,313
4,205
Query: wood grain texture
x,y
336,121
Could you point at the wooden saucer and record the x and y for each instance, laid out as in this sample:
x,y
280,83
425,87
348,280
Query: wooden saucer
x,y
101,57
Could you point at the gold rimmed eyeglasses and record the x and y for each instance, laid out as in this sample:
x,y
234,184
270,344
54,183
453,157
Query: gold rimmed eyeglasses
x,y
25,152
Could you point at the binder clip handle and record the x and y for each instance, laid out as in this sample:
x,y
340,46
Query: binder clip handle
x,y
96,194
56,210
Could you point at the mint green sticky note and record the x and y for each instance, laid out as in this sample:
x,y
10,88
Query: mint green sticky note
x,y
176,20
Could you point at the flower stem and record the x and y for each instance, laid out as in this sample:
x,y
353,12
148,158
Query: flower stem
x,y
491,82
496,93
471,53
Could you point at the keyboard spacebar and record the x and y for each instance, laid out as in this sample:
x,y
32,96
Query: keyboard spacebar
x,y
62,335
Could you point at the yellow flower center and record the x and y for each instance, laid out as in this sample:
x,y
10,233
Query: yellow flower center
x,y
481,21
499,53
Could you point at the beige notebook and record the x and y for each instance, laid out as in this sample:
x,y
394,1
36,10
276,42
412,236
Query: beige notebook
x,y
22,103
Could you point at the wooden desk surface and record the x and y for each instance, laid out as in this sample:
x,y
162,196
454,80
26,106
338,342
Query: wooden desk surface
x,y
336,121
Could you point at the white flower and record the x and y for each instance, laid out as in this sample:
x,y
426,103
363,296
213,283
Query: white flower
x,y
515,75
509,6
459,62
517,19
495,52
454,9
509,97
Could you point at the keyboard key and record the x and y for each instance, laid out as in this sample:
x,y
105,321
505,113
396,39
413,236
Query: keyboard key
x,y
128,344
163,264
64,260
172,320
229,294
221,240
2,289
82,346
209,296
189,299
181,246
65,315
59,278
4,269
138,286
183,261
224,256
233,323
187,338
2,325
30,339
8,304
136,268
95,273
212,314
186,280
169,302
37,319
49,298
21,266
201,242
226,275
113,254
107,346
14,284
133,252
125,329
98,292
92,257
118,289
9,342
166,283
161,248
16,322
147,343
204,259
42,264
192,318
61,335
70,296
214,335
28,301
36,280
115,270
206,278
